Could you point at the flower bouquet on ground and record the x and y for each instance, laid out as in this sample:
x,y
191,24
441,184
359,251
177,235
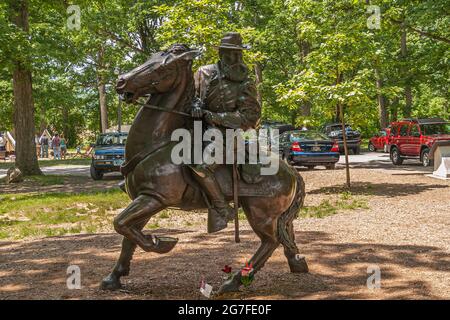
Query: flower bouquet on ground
x,y
227,271
247,274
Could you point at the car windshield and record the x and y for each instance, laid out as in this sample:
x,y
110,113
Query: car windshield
x,y
338,128
308,135
435,128
111,139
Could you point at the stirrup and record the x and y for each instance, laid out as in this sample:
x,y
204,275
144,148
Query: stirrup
x,y
216,221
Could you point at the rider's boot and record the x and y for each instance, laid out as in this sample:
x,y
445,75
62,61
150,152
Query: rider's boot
x,y
221,213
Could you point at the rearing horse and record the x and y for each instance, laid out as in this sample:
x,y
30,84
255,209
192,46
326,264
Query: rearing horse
x,y
155,182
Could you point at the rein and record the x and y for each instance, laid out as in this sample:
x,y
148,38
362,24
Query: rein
x,y
150,106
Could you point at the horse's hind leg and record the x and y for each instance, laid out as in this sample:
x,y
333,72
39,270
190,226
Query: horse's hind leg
x,y
297,263
265,229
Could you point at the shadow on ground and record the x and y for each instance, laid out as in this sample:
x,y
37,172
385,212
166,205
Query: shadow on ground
x,y
71,184
390,190
37,269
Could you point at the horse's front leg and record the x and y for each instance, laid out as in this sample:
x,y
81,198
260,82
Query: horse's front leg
x,y
122,266
129,224
141,210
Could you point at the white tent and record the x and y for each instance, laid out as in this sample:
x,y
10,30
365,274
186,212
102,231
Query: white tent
x,y
11,140
47,133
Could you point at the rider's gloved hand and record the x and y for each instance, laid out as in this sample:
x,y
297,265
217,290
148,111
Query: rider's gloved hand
x,y
197,110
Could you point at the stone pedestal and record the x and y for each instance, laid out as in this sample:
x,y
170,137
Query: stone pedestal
x,y
443,171
440,153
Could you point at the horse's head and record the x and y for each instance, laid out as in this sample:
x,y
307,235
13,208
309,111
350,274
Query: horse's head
x,y
157,75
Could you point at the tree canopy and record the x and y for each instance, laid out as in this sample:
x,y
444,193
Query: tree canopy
x,y
308,57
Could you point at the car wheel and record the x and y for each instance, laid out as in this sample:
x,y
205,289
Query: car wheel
x,y
425,157
330,166
356,150
310,167
372,147
395,157
95,174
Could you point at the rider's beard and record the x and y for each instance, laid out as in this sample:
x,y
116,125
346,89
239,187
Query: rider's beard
x,y
234,72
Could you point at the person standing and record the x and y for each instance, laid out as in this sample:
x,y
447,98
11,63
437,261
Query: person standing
x,y
43,141
2,146
63,143
56,145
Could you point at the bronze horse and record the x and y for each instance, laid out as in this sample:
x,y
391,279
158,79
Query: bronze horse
x,y
156,183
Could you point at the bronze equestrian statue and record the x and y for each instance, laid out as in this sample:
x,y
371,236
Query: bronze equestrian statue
x,y
155,183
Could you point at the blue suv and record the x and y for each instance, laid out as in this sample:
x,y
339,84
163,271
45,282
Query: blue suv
x,y
109,153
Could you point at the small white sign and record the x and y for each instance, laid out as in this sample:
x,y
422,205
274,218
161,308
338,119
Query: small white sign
x,y
205,289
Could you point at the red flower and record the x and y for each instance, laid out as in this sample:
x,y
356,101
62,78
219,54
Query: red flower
x,y
247,269
226,269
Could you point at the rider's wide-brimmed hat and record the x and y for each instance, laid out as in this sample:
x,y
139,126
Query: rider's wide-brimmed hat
x,y
233,41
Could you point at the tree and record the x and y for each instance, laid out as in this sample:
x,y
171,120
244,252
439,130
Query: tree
x,y
26,159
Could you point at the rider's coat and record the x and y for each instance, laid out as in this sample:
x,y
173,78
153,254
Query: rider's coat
x,y
234,101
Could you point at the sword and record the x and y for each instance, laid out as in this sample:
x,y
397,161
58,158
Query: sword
x,y
235,197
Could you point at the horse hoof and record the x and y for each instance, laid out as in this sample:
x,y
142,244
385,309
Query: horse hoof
x,y
298,265
110,282
228,287
161,244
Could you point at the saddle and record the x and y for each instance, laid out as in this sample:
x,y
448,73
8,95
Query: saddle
x,y
250,173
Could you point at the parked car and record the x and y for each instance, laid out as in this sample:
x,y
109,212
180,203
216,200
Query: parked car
x,y
270,126
413,139
334,132
380,140
109,153
309,149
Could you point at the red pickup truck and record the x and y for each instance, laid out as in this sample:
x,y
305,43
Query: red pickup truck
x,y
380,140
413,138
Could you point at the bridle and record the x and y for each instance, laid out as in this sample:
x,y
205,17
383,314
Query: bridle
x,y
153,107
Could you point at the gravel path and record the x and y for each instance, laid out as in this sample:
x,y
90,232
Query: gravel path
x,y
404,232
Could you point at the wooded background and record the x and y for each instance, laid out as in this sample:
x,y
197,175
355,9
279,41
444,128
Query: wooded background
x,y
307,57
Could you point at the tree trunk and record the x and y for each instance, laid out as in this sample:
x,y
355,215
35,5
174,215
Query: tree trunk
x,y
65,117
43,122
344,136
340,113
102,93
394,110
258,81
26,158
103,106
339,110
408,90
382,109
305,109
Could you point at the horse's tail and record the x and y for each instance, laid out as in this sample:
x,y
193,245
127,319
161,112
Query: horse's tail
x,y
284,223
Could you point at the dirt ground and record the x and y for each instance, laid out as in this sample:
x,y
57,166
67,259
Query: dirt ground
x,y
404,232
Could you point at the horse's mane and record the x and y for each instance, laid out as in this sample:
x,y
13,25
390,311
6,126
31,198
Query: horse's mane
x,y
177,48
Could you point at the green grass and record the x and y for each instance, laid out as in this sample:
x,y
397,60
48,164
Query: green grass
x,y
164,215
46,180
153,225
50,214
241,215
346,201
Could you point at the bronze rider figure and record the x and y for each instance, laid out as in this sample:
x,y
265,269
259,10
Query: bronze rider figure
x,y
225,98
